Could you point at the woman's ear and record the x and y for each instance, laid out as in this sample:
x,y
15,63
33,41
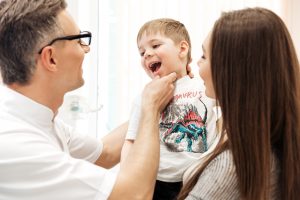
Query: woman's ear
x,y
184,49
48,59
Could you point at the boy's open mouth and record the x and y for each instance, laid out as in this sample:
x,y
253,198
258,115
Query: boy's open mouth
x,y
154,67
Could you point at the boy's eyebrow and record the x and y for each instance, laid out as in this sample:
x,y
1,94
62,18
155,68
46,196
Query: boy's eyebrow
x,y
154,40
150,41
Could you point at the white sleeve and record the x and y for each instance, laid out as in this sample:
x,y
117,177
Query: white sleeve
x,y
134,119
85,147
81,146
35,168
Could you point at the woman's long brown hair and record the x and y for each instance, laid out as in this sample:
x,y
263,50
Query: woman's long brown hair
x,y
256,77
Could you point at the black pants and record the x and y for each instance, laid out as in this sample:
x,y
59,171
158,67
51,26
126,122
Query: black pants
x,y
166,190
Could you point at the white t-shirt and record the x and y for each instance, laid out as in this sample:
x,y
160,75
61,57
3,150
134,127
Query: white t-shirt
x,y
42,158
187,128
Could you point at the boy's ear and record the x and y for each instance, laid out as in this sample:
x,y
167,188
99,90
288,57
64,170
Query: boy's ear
x,y
48,59
184,49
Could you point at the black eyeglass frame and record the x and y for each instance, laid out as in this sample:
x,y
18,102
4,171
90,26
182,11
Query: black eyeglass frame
x,y
83,34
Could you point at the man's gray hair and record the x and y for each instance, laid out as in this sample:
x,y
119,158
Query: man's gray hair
x,y
24,26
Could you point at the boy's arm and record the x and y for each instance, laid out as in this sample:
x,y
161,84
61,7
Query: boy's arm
x,y
125,150
112,145
114,141
132,131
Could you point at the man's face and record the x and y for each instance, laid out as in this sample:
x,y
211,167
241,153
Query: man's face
x,y
70,55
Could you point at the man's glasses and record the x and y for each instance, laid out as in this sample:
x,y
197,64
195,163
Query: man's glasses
x,y
84,36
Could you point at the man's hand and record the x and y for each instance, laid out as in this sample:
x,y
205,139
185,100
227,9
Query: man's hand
x,y
158,93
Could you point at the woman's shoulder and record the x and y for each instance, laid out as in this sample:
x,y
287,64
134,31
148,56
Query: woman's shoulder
x,y
218,180
221,164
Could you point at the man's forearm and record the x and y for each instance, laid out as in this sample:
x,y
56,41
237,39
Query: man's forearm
x,y
138,173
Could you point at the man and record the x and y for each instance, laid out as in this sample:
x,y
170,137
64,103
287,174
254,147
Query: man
x,y
41,54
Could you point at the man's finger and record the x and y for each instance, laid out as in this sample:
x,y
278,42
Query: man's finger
x,y
172,77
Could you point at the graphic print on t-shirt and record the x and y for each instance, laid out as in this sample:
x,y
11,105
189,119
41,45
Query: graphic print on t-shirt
x,y
183,127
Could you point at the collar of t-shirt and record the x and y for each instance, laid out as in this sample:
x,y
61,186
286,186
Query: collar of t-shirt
x,y
25,108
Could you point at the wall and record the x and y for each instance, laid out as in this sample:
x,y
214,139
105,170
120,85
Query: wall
x,y
293,16
112,69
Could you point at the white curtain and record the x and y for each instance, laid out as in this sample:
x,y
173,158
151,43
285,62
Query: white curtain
x,y
112,69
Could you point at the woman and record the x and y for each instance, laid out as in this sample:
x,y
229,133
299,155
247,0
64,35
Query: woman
x,y
250,66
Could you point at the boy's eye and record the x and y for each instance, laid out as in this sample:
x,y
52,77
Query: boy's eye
x,y
203,57
155,46
142,53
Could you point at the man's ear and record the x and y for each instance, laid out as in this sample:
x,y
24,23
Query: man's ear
x,y
48,59
184,49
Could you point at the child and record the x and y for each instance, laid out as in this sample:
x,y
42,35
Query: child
x,y
185,128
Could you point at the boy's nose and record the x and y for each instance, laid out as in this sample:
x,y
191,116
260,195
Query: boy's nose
x,y
148,53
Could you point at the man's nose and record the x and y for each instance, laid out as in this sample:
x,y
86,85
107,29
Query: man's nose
x,y
86,48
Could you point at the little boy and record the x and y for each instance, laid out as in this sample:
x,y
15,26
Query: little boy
x,y
186,126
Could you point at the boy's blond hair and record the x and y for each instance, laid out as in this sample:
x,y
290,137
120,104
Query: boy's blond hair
x,y
171,28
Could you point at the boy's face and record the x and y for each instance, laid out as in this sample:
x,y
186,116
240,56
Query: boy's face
x,y
161,56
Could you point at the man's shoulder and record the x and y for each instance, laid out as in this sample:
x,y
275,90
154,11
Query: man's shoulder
x,y
10,122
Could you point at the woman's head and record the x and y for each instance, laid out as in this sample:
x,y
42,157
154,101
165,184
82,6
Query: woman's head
x,y
205,67
252,57
246,48
253,72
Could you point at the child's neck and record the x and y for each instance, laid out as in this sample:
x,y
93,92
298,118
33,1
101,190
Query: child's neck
x,y
180,75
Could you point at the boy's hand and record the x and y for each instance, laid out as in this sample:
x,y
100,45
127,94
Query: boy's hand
x,y
189,71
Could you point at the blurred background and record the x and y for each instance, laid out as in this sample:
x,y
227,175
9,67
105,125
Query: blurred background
x,y
112,71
